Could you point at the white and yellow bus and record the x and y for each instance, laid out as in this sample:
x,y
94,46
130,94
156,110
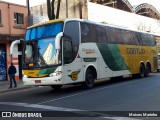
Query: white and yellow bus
x,y
74,51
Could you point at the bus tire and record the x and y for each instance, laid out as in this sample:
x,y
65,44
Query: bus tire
x,y
89,79
56,87
141,71
147,70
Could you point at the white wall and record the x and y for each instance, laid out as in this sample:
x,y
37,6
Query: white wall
x,y
100,13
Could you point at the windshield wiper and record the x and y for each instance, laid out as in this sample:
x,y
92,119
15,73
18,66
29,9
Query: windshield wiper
x,y
37,59
42,61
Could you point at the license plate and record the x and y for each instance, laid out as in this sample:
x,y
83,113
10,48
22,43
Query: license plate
x,y
37,81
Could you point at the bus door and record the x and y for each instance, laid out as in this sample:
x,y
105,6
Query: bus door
x,y
72,65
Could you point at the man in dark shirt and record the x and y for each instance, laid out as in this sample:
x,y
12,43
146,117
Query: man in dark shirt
x,y
12,71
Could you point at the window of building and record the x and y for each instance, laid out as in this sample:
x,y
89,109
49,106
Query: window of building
x,y
18,18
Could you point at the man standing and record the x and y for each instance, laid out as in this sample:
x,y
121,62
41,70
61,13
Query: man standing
x,y
12,71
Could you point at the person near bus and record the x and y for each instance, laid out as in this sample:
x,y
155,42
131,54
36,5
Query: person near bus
x,y
11,72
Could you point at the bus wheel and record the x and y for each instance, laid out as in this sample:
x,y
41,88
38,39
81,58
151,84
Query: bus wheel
x,y
142,71
147,70
89,79
56,87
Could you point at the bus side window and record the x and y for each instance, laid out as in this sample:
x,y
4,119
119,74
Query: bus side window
x,y
84,32
143,36
101,34
88,33
138,36
136,42
151,40
110,35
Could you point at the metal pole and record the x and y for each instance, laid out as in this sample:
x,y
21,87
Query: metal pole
x,y
28,6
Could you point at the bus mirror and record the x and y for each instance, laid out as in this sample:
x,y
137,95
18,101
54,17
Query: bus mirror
x,y
13,44
57,40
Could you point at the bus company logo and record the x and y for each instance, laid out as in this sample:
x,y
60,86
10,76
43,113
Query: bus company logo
x,y
88,51
135,51
74,75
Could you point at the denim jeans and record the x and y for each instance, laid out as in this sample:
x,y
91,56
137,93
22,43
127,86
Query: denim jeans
x,y
12,77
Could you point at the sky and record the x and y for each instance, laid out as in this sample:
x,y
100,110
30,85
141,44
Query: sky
x,y
23,2
155,3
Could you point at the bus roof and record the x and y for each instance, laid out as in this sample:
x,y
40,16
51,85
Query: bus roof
x,y
87,21
45,23
106,24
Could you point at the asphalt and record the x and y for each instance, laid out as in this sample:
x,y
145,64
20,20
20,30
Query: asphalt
x,y
4,86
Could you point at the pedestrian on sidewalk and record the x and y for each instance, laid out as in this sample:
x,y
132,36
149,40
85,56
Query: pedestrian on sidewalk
x,y
12,71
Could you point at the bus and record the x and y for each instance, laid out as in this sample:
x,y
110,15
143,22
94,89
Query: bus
x,y
78,51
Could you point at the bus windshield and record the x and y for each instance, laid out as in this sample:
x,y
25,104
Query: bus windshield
x,y
40,46
44,31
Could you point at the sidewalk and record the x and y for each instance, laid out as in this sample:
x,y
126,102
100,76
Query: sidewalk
x,y
4,85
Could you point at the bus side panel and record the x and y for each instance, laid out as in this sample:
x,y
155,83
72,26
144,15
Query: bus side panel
x,y
113,59
92,57
104,72
73,72
135,55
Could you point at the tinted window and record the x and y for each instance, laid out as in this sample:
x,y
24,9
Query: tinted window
x,y
148,40
44,31
88,32
129,38
105,34
120,36
72,31
110,34
101,34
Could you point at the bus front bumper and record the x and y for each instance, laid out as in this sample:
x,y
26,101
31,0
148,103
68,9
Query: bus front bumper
x,y
43,81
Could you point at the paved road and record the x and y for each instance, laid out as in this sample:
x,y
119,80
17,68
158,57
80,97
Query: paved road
x,y
128,94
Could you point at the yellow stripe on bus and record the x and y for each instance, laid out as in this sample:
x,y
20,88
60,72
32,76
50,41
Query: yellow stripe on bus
x,y
134,55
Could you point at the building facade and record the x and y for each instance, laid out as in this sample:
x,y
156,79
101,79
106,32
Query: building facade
x,y
13,23
75,9
143,17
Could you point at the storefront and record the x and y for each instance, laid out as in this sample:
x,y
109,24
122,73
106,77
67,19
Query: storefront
x,y
5,58
3,65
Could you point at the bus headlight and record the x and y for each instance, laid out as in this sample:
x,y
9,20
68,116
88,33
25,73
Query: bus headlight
x,y
55,73
25,76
